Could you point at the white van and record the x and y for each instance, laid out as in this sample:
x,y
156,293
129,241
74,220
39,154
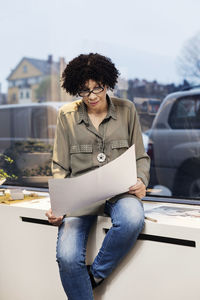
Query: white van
x,y
19,122
26,135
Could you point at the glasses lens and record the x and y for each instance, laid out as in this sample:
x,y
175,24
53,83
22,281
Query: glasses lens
x,y
84,93
98,90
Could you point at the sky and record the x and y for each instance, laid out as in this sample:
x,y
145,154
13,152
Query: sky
x,y
143,38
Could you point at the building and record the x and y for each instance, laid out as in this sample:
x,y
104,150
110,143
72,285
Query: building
x,y
121,88
3,97
36,80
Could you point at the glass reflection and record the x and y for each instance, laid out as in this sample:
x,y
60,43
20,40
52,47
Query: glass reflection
x,y
174,146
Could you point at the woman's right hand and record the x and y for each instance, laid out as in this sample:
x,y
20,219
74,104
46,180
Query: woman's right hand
x,y
52,219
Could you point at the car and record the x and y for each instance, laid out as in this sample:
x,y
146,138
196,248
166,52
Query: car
x,y
145,138
174,145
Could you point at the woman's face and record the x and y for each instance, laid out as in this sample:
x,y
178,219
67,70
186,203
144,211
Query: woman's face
x,y
95,101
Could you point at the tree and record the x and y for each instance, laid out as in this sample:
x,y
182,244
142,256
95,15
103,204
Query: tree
x,y
43,91
188,62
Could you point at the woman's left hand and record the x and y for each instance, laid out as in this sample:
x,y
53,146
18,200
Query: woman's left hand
x,y
139,189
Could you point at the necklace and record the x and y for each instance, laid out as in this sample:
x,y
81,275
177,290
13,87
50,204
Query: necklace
x,y
101,157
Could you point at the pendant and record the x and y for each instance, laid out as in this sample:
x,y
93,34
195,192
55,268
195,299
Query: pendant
x,y
101,157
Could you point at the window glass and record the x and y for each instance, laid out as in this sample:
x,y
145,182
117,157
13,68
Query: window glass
x,y
20,119
25,69
5,123
157,54
174,148
43,122
185,114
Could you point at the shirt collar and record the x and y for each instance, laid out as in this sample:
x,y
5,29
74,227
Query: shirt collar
x,y
83,116
111,109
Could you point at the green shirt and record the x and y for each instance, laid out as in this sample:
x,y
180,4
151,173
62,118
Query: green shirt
x,y
77,142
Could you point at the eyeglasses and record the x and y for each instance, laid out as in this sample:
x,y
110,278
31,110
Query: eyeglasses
x,y
86,93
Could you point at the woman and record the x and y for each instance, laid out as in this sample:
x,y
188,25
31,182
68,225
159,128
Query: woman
x,y
90,133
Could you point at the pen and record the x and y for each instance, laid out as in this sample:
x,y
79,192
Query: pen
x,y
151,219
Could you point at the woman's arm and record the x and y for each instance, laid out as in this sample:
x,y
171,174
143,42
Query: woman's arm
x,y
139,189
60,161
52,219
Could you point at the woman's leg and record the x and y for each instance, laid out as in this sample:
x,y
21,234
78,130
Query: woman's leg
x,y
71,251
127,217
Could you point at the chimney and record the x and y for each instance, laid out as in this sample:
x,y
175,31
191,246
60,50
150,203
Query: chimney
x,y
50,59
62,65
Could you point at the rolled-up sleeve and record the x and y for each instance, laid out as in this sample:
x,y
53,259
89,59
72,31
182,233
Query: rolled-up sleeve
x,y
142,159
60,160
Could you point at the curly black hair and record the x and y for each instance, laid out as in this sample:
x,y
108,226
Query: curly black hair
x,y
89,66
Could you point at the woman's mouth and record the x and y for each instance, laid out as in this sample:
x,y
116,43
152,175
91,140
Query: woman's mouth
x,y
93,103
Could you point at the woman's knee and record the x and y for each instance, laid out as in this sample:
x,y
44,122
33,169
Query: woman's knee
x,y
130,214
69,260
69,254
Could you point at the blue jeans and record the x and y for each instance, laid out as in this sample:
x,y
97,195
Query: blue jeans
x,y
127,217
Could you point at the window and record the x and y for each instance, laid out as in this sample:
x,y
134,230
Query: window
x,y
24,95
32,80
19,82
11,84
145,48
185,114
13,98
25,69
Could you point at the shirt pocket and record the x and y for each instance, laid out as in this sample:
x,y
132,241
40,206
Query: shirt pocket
x,y
81,158
118,147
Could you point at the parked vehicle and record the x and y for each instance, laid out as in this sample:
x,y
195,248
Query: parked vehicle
x,y
19,122
26,136
174,144
145,138
150,107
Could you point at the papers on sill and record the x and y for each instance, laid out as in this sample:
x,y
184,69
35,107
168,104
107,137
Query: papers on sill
x,y
172,214
70,195
17,196
175,211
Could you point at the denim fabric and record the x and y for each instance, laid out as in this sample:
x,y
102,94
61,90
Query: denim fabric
x,y
127,217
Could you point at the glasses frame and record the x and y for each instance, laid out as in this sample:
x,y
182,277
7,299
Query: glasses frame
x,y
92,91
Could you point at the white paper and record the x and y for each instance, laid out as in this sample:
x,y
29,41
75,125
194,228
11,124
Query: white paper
x,y
73,194
174,211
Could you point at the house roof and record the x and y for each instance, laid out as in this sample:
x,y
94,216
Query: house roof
x,y
44,66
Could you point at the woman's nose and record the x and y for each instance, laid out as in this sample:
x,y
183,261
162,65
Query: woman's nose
x,y
92,96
